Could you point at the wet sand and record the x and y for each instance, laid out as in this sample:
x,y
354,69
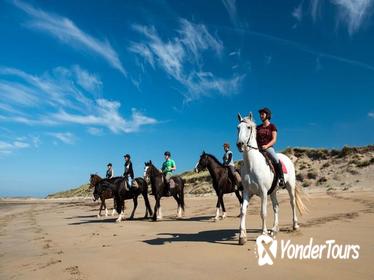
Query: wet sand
x,y
63,239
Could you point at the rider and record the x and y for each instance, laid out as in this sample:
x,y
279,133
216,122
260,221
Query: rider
x,y
167,168
109,171
129,172
266,138
228,161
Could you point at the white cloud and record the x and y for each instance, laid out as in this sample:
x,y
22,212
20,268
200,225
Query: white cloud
x,y
371,115
9,147
86,80
58,99
353,13
65,137
230,6
298,12
180,57
67,32
95,131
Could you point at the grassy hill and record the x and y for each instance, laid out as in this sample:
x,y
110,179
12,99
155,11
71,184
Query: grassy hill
x,y
329,168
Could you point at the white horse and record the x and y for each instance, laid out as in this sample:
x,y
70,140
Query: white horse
x,y
257,179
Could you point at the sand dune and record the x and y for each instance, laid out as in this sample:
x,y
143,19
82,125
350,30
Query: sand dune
x,y
63,239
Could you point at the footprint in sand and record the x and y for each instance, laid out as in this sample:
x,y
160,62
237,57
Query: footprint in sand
x,y
74,272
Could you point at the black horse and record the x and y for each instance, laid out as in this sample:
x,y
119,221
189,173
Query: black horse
x,y
222,183
159,189
105,191
117,188
123,192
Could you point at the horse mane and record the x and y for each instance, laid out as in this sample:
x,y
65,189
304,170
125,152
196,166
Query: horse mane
x,y
215,159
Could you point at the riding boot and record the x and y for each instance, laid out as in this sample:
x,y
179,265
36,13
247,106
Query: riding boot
x,y
280,175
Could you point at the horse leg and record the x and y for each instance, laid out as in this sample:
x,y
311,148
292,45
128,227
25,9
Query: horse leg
x,y
275,204
135,200
157,205
240,198
148,209
101,207
264,201
243,213
159,210
223,207
106,209
291,192
114,208
179,209
120,209
217,209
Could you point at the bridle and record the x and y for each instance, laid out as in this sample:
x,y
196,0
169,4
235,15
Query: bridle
x,y
250,136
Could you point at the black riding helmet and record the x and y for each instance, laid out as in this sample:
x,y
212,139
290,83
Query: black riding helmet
x,y
127,156
109,164
266,111
167,153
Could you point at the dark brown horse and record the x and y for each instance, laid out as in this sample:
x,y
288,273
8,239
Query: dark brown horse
x,y
159,189
123,192
222,183
117,188
102,193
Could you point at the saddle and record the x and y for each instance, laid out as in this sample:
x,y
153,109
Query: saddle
x,y
273,170
170,185
235,178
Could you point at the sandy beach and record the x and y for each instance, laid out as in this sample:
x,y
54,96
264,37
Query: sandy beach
x,y
64,239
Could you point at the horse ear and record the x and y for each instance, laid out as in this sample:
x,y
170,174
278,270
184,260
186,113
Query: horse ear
x,y
150,162
250,116
203,153
240,117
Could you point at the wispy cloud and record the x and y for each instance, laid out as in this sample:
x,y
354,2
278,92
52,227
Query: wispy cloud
x,y
67,32
95,131
306,49
9,147
231,9
371,115
64,137
181,58
59,97
89,82
297,13
353,13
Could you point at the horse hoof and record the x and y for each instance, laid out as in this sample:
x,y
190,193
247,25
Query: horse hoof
x,y
275,229
242,240
98,216
296,227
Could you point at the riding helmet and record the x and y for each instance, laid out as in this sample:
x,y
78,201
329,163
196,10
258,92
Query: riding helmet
x,y
127,155
226,145
167,153
266,111
109,164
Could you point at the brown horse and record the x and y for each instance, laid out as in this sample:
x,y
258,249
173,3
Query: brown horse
x,y
158,185
103,194
222,183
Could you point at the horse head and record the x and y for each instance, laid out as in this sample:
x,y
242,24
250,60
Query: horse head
x,y
94,179
246,132
148,168
202,163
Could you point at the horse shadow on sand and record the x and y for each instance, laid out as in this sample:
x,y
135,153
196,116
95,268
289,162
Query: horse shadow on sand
x,y
222,236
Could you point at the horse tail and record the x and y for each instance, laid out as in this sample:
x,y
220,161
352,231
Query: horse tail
x,y
299,201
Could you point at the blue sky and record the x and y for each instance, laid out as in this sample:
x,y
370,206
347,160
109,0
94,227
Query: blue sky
x,y
81,84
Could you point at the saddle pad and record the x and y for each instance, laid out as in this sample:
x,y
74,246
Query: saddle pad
x,y
284,167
